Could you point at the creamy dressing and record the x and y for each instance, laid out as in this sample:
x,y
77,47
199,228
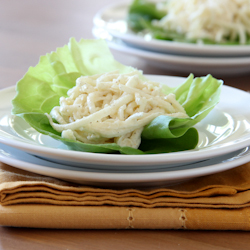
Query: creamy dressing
x,y
112,108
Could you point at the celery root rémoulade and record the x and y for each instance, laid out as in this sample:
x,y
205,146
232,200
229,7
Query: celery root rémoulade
x,y
82,97
112,107
196,21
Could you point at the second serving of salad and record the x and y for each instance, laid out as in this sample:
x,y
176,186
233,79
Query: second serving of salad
x,y
193,21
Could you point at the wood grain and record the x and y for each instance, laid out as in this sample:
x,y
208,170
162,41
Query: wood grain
x,y
121,239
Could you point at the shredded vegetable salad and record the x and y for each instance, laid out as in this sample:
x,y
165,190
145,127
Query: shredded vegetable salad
x,y
201,21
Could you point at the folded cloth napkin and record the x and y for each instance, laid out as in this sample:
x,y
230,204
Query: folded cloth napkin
x,y
216,202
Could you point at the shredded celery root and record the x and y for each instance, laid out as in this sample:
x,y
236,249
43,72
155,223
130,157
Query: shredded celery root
x,y
217,20
112,107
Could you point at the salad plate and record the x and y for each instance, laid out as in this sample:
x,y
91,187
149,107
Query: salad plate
x,y
180,63
225,130
156,177
113,19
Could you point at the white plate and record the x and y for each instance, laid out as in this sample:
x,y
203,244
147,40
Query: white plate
x,y
25,161
113,19
179,63
224,130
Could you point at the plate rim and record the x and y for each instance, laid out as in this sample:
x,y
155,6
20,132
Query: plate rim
x,y
189,155
180,59
122,177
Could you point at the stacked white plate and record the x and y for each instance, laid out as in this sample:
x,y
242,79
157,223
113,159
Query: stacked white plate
x,y
224,144
110,24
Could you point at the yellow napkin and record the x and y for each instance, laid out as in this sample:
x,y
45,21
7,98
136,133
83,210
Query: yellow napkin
x,y
216,202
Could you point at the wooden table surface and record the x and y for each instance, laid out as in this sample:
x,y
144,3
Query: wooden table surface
x,y
30,28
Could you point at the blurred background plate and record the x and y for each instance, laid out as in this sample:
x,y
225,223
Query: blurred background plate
x,y
223,66
113,19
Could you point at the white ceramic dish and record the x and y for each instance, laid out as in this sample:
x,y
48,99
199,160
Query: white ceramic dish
x,y
179,63
113,19
224,130
25,161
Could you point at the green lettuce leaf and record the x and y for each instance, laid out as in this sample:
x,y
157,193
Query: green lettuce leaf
x,y
198,96
42,86
141,13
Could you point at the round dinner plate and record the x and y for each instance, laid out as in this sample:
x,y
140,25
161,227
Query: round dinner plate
x,y
180,63
85,176
225,129
113,19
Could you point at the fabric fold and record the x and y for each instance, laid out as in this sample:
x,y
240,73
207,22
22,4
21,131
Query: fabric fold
x,y
211,202
113,217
